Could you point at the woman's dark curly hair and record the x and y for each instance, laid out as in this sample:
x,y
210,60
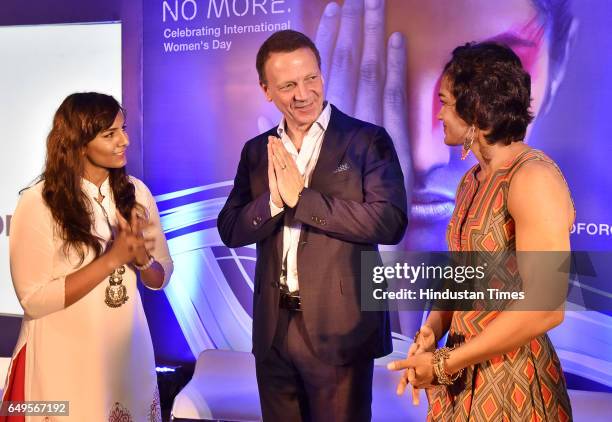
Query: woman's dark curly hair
x,y
491,89
77,121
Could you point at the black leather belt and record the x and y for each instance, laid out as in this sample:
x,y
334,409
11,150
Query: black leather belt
x,y
290,301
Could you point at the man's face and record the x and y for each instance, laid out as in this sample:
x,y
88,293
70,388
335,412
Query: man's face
x,y
432,29
294,84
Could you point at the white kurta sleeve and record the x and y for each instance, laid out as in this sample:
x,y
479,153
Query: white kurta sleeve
x,y
160,249
32,250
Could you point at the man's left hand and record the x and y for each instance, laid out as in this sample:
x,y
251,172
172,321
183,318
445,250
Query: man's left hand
x,y
290,181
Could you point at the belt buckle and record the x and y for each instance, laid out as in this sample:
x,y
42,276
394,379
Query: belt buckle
x,y
290,302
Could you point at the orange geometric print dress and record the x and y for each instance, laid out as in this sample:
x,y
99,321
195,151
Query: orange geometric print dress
x,y
526,384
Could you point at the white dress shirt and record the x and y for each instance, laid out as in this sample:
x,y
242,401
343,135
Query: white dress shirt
x,y
306,160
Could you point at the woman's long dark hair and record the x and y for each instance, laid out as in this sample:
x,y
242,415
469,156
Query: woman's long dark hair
x,y
77,121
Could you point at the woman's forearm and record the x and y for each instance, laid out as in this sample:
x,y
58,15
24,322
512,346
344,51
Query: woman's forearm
x,y
508,331
85,279
153,277
439,321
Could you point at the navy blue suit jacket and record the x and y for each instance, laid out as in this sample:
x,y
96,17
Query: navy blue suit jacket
x,y
355,200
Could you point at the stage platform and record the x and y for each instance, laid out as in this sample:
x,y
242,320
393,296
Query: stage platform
x,y
224,388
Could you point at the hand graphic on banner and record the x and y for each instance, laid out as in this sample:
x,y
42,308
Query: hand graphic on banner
x,y
358,79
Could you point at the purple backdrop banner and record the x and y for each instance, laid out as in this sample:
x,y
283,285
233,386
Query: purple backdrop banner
x,y
381,62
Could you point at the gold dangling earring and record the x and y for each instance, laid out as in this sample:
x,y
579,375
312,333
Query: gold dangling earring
x,y
469,140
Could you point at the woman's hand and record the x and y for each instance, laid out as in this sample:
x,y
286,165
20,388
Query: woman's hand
x,y
138,226
425,341
130,244
418,371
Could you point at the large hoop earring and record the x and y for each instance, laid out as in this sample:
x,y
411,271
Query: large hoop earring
x,y
469,140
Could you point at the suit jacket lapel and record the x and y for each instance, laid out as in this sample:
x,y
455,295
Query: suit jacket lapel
x,y
260,172
335,143
260,179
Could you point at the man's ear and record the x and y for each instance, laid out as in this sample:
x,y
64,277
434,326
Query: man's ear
x,y
557,78
266,90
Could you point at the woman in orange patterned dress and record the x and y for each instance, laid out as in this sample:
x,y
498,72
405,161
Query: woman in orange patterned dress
x,y
499,365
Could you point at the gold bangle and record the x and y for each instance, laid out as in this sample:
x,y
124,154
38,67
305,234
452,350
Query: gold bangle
x,y
439,358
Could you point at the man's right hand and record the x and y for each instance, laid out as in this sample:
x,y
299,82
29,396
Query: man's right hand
x,y
275,196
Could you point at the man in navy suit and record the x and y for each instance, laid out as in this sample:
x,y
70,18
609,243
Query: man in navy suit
x,y
313,193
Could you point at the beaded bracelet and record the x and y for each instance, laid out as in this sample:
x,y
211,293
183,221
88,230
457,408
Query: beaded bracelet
x,y
146,265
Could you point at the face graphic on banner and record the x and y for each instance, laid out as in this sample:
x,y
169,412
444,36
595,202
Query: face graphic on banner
x,y
293,83
397,85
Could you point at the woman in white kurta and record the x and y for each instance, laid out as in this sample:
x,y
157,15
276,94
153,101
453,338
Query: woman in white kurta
x,y
84,337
